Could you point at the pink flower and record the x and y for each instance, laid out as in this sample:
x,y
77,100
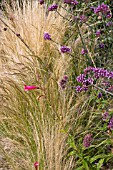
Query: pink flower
x,y
26,88
36,164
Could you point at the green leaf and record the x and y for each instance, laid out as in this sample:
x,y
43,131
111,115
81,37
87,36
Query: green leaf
x,y
100,157
80,168
99,165
85,165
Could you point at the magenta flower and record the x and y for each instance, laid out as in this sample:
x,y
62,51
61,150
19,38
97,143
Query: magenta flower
x,y
26,88
53,7
36,164
65,49
47,36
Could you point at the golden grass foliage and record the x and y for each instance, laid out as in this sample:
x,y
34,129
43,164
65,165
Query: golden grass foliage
x,y
34,125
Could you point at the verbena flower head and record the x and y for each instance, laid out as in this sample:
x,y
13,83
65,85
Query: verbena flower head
x,y
87,140
36,164
65,49
63,82
81,78
41,2
84,51
47,36
90,75
53,7
104,9
26,88
110,125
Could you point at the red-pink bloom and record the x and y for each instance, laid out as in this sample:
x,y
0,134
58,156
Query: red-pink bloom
x,y
26,88
36,164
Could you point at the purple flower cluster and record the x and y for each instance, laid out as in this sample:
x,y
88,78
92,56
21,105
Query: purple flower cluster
x,y
73,2
90,75
47,36
83,88
65,49
85,81
87,140
53,7
63,82
104,9
110,125
99,72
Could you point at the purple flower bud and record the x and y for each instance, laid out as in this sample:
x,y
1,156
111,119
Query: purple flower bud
x,y
65,77
109,15
98,33
105,116
109,24
5,29
99,95
101,45
53,7
65,49
87,140
110,125
63,82
83,18
47,36
84,51
41,2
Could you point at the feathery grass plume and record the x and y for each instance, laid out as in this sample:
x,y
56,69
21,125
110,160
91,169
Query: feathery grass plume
x,y
34,121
